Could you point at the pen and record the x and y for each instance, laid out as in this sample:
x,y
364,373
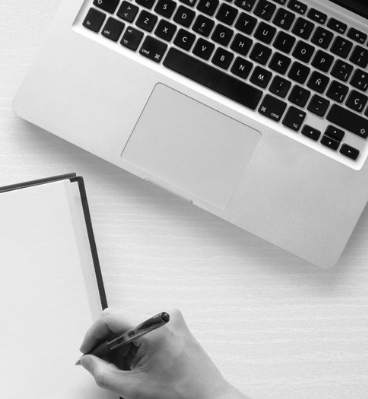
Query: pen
x,y
151,324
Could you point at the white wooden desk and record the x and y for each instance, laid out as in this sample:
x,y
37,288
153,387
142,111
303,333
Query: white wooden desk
x,y
277,327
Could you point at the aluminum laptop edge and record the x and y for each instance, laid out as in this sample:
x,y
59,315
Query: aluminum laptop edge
x,y
225,158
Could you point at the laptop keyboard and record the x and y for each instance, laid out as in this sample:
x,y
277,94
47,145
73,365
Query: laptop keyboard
x,y
280,58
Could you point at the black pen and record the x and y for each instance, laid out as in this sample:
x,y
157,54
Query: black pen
x,y
151,324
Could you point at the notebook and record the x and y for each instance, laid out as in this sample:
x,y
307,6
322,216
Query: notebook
x,y
51,288
253,110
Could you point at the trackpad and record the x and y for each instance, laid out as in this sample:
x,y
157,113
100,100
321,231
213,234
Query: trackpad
x,y
197,151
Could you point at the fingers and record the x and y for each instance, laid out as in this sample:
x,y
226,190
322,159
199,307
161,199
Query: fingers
x,y
109,377
131,358
110,322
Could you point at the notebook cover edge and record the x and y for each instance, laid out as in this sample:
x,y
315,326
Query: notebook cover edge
x,y
91,239
37,182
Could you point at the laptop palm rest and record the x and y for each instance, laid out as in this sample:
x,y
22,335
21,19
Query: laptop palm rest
x,y
189,147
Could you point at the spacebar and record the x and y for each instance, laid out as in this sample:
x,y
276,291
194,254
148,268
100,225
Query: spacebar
x,y
213,78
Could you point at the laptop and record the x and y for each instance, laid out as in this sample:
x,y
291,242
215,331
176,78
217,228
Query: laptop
x,y
253,110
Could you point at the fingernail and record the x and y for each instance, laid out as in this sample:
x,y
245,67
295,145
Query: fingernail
x,y
85,362
79,361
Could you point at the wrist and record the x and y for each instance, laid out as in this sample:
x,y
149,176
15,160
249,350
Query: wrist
x,y
230,392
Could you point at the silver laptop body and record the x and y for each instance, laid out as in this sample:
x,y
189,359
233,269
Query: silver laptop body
x,y
264,126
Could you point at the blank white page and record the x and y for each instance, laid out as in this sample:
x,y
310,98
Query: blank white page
x,y
44,309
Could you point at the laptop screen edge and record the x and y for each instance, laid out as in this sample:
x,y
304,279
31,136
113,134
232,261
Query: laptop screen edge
x,y
359,7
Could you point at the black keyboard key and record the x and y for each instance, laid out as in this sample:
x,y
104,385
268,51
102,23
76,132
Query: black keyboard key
x,y
241,44
260,77
337,91
356,101
246,5
146,3
272,108
203,25
265,33
208,6
113,29
280,86
284,42
299,72
279,63
153,49
184,16
297,6
127,11
94,20
213,78
283,19
184,39
222,35
165,30
203,49
222,58
341,47
131,38
311,132
360,80
282,2
330,143
357,35
322,61
299,96
318,105
260,53
303,51
318,82
337,26
348,120
294,118
226,14
334,133
342,70
359,56
322,37
107,5
241,67
146,21
349,151
246,23
317,16
303,28
264,9
189,2
165,8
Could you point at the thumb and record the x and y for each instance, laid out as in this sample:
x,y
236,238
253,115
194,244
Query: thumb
x,y
110,377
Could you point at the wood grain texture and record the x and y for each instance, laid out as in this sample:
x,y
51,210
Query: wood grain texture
x,y
276,326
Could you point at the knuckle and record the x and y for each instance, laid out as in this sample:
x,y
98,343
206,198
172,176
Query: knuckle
x,y
177,321
176,314
101,379
108,314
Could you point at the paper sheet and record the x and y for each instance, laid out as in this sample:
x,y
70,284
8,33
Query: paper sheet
x,y
44,310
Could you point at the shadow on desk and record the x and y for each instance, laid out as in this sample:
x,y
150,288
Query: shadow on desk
x,y
59,156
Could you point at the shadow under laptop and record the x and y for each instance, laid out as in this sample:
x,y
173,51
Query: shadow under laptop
x,y
128,194
211,231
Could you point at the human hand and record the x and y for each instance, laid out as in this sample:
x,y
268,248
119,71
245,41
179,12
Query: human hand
x,y
167,363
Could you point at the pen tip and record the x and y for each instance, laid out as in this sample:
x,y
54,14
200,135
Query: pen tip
x,y
78,363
